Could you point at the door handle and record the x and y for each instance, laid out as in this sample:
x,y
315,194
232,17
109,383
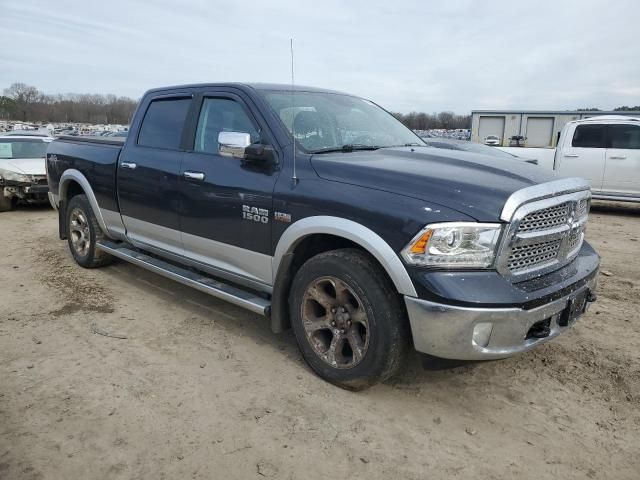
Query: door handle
x,y
571,155
129,165
193,175
617,157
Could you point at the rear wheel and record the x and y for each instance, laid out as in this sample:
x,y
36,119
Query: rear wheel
x,y
348,319
83,232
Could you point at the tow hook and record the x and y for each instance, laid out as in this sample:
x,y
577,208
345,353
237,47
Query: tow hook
x,y
541,329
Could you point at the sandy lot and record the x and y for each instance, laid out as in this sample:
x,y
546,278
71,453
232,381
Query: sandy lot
x,y
201,389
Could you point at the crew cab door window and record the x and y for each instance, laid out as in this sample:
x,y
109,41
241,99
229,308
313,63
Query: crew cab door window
x,y
622,168
221,115
589,136
625,137
585,155
162,124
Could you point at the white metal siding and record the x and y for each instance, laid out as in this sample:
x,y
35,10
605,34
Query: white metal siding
x,y
491,126
539,131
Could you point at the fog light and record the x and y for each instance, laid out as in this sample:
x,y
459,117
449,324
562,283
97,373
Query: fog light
x,y
481,334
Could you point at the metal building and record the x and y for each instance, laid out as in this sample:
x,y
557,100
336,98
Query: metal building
x,y
539,128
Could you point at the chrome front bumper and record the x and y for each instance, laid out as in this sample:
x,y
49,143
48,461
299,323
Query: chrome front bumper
x,y
447,331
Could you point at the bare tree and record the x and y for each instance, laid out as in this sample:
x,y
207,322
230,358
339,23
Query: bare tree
x,y
27,103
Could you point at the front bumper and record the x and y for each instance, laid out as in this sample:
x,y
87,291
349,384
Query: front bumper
x,y
448,332
507,319
31,193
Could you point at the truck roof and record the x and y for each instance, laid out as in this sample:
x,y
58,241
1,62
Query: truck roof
x,y
254,86
610,118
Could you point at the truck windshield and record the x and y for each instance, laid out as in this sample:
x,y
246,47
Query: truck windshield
x,y
21,148
324,122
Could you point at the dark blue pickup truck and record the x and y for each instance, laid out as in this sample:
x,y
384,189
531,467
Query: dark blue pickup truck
x,y
322,212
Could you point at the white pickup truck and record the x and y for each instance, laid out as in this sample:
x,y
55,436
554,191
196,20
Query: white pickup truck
x,y
606,151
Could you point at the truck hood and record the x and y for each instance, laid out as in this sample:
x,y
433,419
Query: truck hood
x,y
473,184
28,166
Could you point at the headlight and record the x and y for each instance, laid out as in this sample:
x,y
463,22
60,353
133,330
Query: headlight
x,y
462,245
14,176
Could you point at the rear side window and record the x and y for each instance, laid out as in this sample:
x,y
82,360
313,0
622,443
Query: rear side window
x,y
624,136
589,136
162,124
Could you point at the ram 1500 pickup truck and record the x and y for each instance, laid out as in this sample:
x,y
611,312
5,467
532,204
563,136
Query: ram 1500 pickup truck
x,y
322,212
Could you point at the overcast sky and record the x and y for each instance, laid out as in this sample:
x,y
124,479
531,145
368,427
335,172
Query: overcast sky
x,y
406,55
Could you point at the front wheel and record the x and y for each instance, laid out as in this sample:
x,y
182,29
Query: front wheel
x,y
83,232
348,319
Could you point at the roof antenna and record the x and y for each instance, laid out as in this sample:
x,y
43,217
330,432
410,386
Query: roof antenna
x,y
293,117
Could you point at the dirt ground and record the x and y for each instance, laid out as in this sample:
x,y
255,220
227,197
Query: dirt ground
x,y
201,389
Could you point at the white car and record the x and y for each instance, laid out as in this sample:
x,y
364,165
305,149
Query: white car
x,y
606,151
492,140
23,176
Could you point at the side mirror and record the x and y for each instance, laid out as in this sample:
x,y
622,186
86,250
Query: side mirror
x,y
259,154
233,144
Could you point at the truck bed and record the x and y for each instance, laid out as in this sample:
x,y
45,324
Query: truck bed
x,y
96,158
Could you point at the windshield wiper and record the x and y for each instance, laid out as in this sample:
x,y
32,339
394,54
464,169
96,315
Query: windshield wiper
x,y
349,147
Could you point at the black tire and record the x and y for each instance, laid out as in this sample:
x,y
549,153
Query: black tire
x,y
384,341
88,256
6,204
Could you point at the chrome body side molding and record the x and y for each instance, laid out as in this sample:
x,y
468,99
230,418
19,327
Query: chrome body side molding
x,y
226,275
350,230
239,261
235,263
141,233
114,224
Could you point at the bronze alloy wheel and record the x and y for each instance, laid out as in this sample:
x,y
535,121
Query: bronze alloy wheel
x,y
335,322
79,231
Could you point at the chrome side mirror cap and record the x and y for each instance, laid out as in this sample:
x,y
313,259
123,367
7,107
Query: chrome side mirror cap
x,y
233,144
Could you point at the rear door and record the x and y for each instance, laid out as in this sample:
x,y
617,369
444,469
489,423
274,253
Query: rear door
x,y
622,168
227,212
583,154
149,175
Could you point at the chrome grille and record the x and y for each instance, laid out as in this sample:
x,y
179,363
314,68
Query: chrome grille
x,y
575,239
544,235
545,218
526,256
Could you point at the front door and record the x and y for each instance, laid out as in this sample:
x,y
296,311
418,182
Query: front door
x,y
226,213
583,155
622,169
149,176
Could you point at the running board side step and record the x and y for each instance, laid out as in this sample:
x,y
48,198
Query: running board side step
x,y
215,288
